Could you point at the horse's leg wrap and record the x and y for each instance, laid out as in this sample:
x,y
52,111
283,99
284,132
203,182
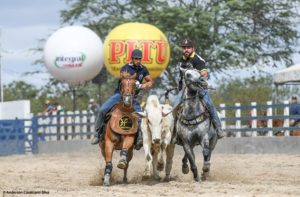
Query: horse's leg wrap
x,y
123,153
123,161
206,154
206,166
107,172
108,168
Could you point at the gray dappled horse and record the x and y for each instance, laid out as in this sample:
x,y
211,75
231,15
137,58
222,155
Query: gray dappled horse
x,y
194,126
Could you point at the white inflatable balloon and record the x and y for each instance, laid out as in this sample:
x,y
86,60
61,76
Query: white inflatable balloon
x,y
74,54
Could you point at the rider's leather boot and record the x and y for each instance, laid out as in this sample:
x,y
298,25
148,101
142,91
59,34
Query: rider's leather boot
x,y
98,137
139,140
220,133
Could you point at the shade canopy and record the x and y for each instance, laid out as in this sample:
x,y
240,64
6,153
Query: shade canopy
x,y
287,75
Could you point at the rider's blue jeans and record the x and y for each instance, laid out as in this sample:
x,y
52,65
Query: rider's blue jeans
x,y
107,105
211,108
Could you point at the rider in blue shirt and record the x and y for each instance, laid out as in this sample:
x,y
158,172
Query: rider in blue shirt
x,y
294,110
142,73
190,59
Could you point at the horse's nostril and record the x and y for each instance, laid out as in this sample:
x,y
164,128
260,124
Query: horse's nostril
x,y
156,141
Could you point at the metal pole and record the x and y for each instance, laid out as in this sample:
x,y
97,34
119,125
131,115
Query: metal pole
x,y
1,84
74,99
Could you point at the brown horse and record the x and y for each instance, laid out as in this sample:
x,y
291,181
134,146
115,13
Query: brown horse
x,y
296,132
120,129
278,123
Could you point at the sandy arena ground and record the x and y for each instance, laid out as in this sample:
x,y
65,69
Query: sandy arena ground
x,y
79,174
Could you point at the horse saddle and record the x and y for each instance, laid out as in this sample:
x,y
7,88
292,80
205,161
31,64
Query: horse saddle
x,y
122,122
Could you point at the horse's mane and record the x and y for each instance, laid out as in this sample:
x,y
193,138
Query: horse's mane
x,y
127,75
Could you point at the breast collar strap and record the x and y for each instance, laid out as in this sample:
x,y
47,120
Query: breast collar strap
x,y
197,120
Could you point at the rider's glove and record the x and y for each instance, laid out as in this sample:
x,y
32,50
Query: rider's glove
x,y
203,83
138,85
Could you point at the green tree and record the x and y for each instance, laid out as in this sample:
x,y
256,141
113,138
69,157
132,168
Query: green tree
x,y
20,90
229,34
244,91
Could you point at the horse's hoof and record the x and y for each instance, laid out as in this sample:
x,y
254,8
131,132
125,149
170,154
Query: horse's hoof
x,y
147,174
167,179
185,169
145,177
125,181
157,178
122,164
106,181
197,179
204,176
160,166
206,167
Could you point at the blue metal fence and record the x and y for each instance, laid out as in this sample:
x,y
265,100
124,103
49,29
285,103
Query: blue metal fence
x,y
22,136
18,136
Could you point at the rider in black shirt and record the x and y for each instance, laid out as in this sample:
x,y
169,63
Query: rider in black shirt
x,y
142,73
190,59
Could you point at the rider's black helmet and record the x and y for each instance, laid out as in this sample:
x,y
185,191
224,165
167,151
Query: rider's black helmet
x,y
187,43
136,53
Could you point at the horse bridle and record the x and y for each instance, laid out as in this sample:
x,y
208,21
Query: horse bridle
x,y
126,97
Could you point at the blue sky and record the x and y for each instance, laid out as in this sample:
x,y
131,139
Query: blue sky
x,y
22,24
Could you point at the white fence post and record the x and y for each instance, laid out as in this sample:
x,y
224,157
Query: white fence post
x,y
62,122
254,121
47,130
69,122
92,126
270,120
77,133
41,129
223,115
238,122
53,128
84,126
286,122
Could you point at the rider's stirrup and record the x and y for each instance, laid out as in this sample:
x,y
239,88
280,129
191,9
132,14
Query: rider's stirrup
x,y
95,141
97,138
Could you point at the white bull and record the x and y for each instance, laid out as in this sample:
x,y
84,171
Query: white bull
x,y
157,127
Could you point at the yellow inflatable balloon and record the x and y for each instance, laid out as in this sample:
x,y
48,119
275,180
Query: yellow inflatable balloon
x,y
123,39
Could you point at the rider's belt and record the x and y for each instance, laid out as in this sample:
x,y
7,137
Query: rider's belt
x,y
194,121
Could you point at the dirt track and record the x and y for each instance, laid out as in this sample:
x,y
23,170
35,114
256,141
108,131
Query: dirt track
x,y
79,174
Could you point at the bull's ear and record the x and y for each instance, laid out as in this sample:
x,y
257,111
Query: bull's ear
x,y
139,114
165,111
165,114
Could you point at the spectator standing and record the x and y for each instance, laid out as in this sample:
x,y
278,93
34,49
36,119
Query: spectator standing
x,y
48,108
294,111
58,108
93,106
